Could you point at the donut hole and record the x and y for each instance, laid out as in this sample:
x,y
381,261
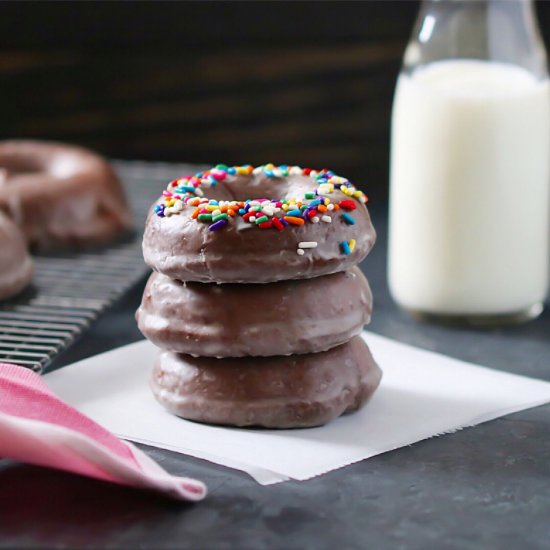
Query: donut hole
x,y
11,170
241,189
17,167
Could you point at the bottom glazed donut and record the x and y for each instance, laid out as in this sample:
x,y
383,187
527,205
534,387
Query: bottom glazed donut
x,y
295,391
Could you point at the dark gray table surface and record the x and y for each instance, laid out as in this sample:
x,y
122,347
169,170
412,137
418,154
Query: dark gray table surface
x,y
482,487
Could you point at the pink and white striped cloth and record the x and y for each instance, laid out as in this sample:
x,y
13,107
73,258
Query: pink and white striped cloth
x,y
38,428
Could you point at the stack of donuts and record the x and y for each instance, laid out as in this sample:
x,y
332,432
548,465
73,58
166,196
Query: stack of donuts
x,y
256,300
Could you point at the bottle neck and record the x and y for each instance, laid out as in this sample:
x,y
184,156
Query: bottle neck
x,y
504,31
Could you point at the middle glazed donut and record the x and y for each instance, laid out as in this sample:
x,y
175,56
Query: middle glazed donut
x,y
235,320
255,225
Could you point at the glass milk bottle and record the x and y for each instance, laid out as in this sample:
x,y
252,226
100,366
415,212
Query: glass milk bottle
x,y
470,156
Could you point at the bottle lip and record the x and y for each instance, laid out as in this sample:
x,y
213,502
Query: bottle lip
x,y
524,48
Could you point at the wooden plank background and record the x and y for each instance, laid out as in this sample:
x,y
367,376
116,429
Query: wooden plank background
x,y
295,82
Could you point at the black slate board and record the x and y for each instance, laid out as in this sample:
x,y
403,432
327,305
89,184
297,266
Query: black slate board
x,y
482,487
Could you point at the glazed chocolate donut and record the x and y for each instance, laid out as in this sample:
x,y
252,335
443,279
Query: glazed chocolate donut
x,y
243,225
60,194
297,391
235,320
15,262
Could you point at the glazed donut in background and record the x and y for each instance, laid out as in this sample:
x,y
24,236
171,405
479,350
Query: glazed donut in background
x,y
236,320
256,225
15,261
297,391
61,195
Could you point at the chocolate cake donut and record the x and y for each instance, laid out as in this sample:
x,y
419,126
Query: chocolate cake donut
x,y
236,320
297,391
242,224
60,194
15,262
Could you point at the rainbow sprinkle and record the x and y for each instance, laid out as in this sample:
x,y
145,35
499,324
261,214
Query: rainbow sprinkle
x,y
314,207
350,220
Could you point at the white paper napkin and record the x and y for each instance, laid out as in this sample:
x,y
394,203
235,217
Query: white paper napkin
x,y
422,394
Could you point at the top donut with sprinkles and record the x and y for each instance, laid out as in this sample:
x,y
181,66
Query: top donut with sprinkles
x,y
191,192
240,224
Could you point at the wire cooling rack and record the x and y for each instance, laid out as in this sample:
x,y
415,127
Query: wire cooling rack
x,y
71,289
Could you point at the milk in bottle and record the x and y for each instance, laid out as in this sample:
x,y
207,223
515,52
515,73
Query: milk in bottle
x,y
470,190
